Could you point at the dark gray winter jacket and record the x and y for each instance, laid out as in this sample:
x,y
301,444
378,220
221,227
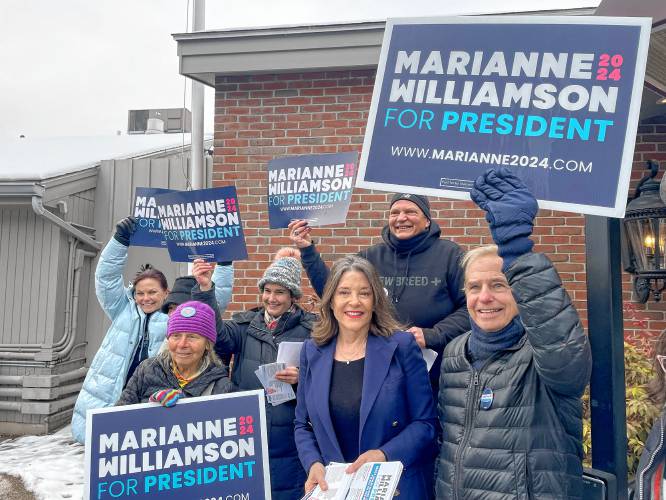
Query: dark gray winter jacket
x,y
155,374
528,443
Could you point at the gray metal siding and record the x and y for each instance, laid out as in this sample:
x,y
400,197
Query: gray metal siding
x,y
28,266
81,208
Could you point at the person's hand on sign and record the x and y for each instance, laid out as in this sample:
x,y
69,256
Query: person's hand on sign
x,y
203,273
418,336
288,375
299,233
316,477
166,397
124,230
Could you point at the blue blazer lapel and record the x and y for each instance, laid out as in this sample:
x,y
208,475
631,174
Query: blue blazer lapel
x,y
378,354
321,367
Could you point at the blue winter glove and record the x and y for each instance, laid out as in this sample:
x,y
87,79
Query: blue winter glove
x,y
124,229
510,211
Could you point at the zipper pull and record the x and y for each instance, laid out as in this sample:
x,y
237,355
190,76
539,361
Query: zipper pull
x,y
476,378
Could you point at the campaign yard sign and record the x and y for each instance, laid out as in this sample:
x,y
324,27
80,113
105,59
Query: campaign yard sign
x,y
316,188
206,447
554,99
148,228
204,223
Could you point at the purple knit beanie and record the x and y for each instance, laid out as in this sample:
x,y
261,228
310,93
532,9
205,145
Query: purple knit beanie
x,y
193,317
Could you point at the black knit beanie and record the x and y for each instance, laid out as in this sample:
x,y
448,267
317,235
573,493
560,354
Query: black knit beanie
x,y
419,200
180,292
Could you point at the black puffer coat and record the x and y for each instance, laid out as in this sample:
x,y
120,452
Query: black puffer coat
x,y
528,444
155,374
248,338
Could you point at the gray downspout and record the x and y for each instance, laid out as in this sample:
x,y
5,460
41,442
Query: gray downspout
x,y
39,209
78,265
73,243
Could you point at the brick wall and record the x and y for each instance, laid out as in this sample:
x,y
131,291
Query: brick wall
x,y
261,117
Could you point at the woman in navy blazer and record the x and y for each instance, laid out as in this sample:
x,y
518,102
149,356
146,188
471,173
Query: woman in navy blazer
x,y
363,391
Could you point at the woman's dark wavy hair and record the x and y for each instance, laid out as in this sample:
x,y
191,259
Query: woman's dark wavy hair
x,y
656,388
148,271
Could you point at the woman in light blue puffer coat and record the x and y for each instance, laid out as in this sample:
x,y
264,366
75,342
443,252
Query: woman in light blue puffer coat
x,y
138,325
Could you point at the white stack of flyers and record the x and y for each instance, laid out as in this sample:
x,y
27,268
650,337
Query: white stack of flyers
x,y
277,392
290,353
372,481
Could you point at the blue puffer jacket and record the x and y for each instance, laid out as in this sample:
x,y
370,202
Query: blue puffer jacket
x,y
107,373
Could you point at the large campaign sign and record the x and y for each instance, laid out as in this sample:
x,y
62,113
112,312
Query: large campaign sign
x,y
148,228
316,188
204,223
207,447
554,99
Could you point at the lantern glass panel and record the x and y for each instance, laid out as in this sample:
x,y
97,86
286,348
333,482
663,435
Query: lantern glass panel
x,y
642,240
661,241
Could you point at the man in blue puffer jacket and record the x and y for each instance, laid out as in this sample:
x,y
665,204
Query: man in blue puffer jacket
x,y
138,325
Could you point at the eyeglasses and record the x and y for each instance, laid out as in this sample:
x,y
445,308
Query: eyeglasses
x,y
662,361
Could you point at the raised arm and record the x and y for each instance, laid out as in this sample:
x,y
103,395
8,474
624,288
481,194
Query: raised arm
x,y
299,233
223,278
228,335
109,286
562,353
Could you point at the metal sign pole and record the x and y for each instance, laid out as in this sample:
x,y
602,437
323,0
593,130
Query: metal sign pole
x,y
606,334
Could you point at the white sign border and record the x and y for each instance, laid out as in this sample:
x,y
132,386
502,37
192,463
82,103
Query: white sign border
x,y
645,25
259,393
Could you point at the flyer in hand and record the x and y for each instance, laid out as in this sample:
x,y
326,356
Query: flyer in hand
x,y
373,481
277,392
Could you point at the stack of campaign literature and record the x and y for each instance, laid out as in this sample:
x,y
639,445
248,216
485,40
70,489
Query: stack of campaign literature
x,y
372,481
277,392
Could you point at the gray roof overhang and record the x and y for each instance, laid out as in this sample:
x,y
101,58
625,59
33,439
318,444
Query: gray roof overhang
x,y
284,49
21,192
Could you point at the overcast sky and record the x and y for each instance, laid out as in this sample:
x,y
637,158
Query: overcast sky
x,y
75,67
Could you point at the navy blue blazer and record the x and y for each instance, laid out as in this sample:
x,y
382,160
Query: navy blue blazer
x,y
397,414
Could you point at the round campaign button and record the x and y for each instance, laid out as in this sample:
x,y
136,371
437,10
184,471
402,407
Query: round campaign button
x,y
188,312
486,398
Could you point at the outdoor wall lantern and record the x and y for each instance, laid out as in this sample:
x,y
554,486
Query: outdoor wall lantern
x,y
645,237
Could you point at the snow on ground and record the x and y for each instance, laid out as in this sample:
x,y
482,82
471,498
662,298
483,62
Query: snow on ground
x,y
51,466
